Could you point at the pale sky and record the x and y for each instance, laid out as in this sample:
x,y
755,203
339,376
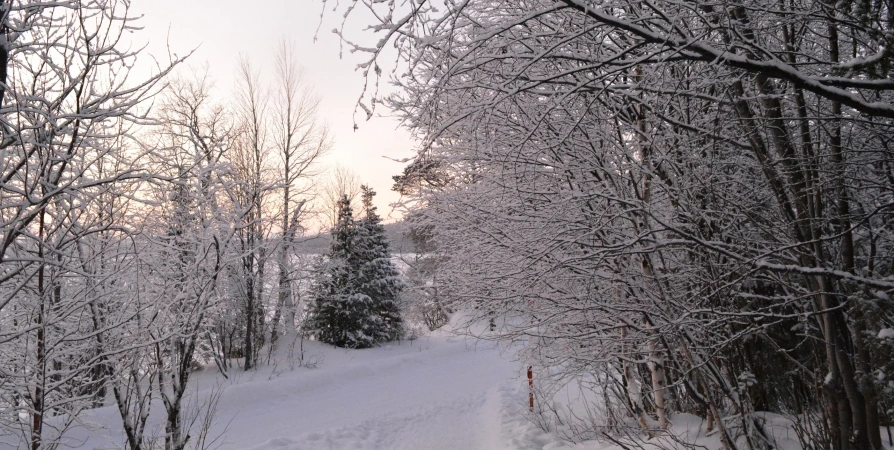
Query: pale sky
x,y
224,29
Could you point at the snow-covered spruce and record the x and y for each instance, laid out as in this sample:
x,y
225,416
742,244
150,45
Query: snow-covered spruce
x,y
356,295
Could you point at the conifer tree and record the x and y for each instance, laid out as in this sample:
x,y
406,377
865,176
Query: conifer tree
x,y
341,315
357,289
380,279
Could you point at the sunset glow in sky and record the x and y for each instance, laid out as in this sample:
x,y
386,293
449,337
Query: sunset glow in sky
x,y
222,30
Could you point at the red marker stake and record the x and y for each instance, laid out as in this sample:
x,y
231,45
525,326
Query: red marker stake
x,y
531,387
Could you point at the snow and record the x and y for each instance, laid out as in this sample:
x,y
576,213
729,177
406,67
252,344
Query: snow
x,y
409,396
437,392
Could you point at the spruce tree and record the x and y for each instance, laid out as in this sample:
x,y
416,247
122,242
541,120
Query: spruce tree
x,y
380,279
357,289
341,314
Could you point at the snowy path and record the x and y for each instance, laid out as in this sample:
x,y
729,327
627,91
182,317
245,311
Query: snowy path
x,y
444,397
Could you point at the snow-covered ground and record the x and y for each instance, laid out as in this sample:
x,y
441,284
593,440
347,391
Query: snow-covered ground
x,y
437,392
429,394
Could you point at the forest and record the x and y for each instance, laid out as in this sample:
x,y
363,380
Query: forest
x,y
148,228
681,207
668,209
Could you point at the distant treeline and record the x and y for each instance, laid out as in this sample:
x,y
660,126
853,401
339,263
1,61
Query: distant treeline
x,y
318,244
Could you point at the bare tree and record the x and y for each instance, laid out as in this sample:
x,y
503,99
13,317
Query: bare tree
x,y
342,182
69,118
299,140
188,235
250,159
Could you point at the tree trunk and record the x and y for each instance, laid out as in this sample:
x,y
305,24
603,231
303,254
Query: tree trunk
x,y
634,392
249,318
659,378
40,385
